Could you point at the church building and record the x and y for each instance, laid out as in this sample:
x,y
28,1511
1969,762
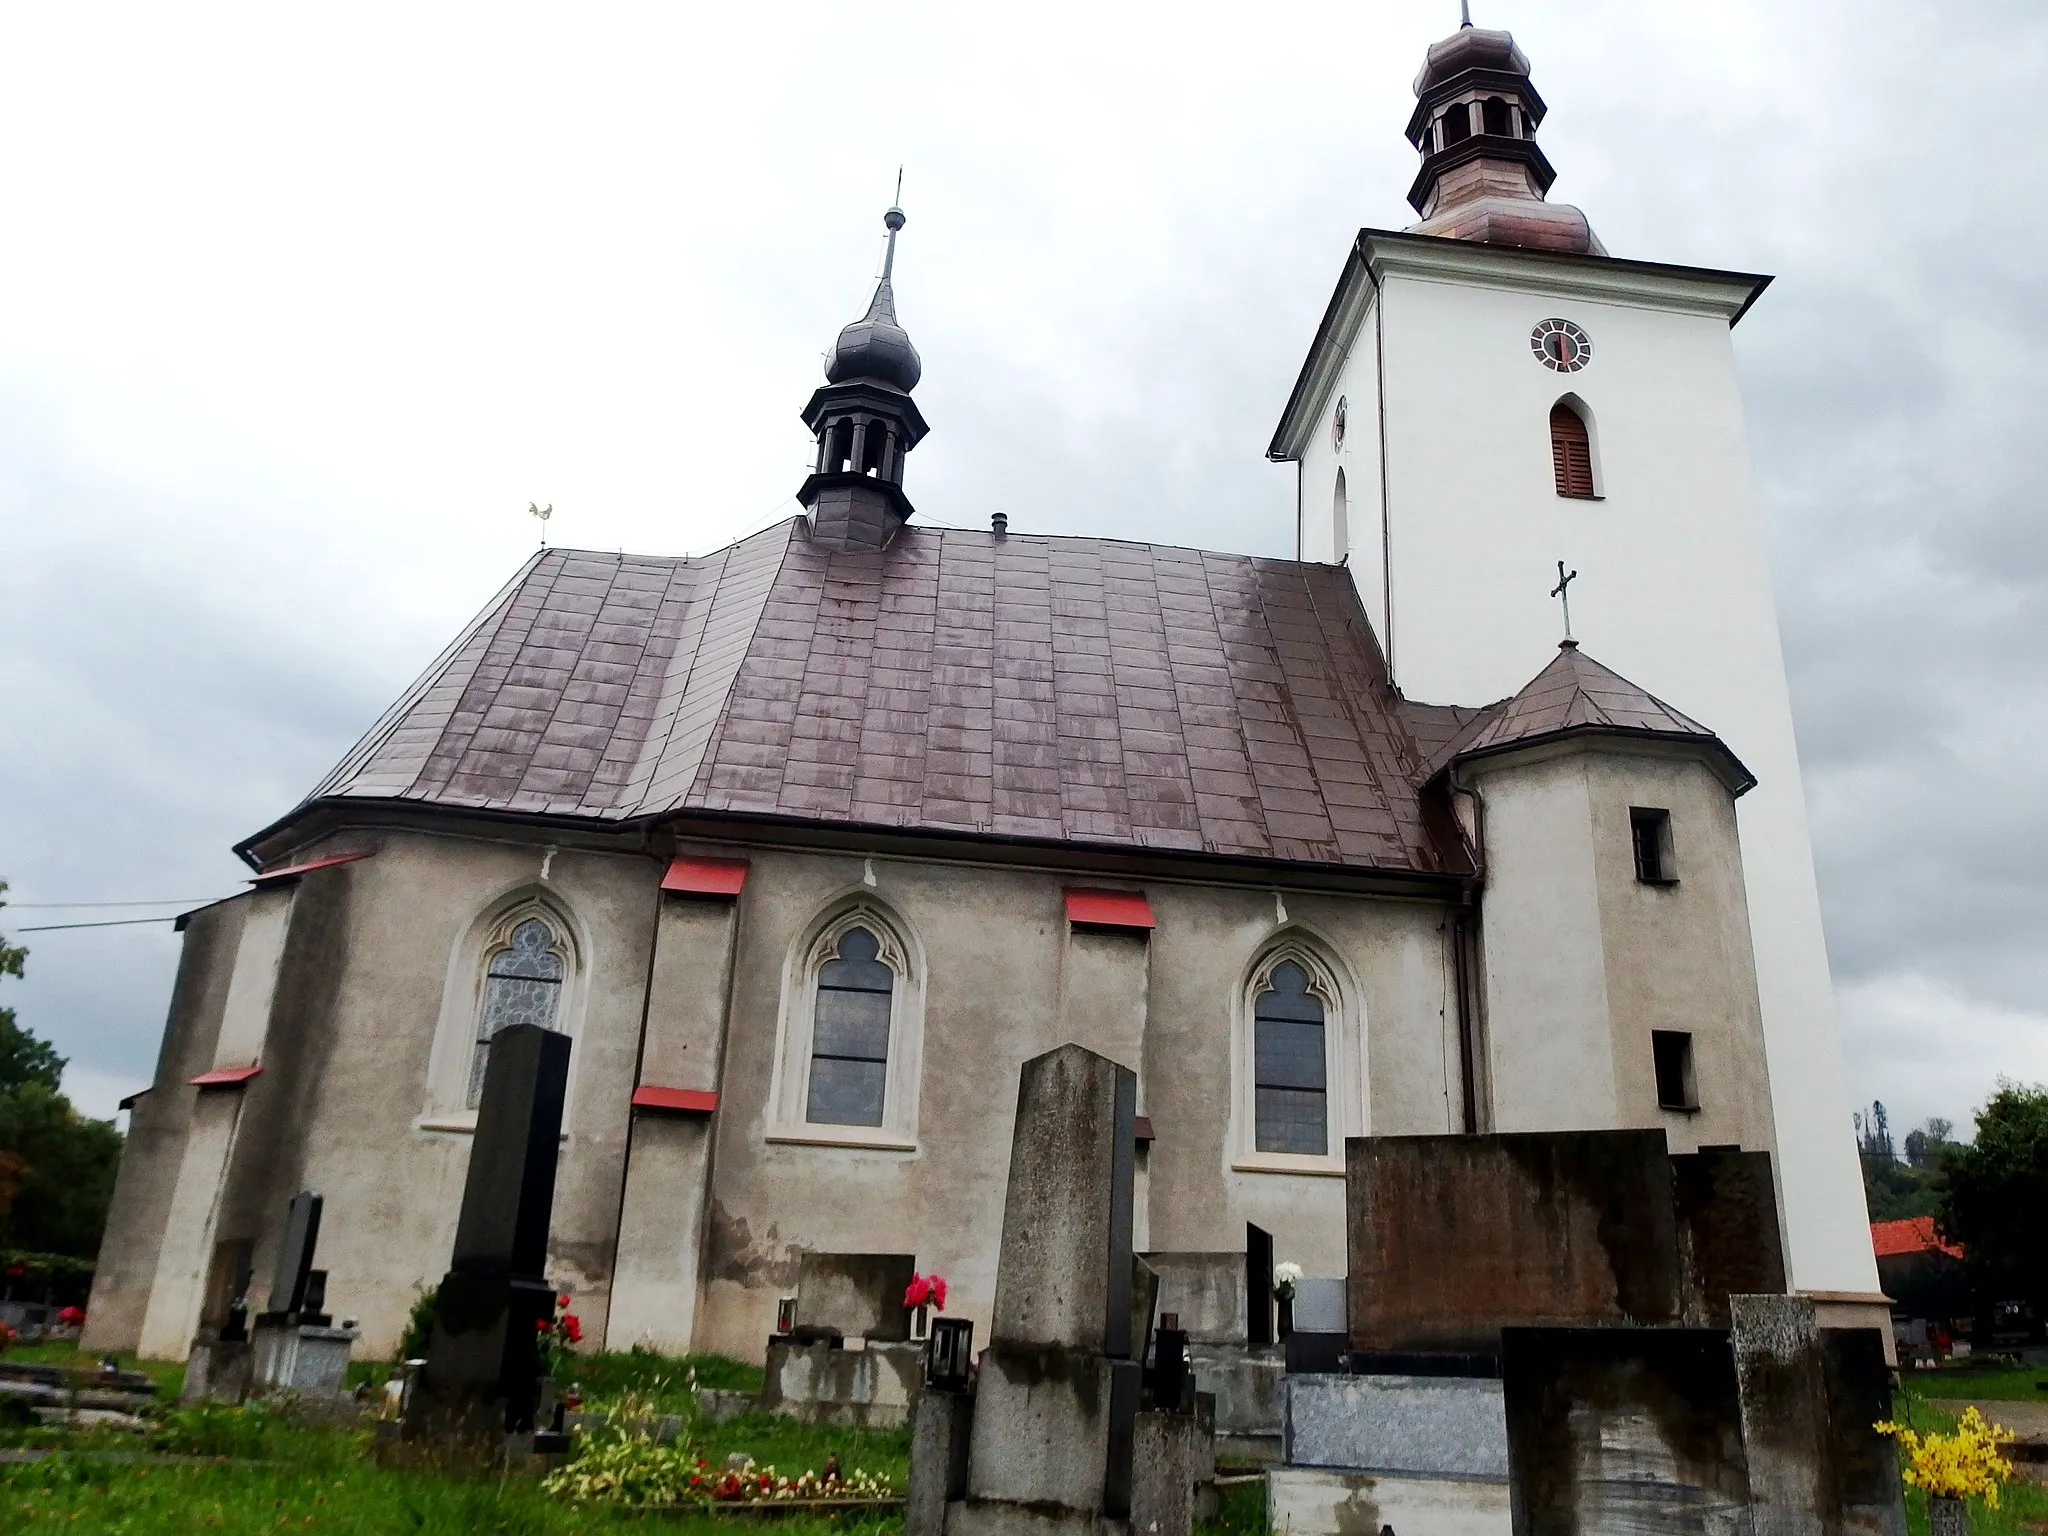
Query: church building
x,y
807,844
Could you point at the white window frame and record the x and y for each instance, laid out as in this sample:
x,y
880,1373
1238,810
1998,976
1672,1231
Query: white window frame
x,y
1346,1098
462,998
789,1094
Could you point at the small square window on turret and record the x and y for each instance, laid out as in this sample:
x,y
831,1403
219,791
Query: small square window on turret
x,y
1651,831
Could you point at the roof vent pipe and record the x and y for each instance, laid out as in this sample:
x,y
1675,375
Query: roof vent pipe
x,y
1000,522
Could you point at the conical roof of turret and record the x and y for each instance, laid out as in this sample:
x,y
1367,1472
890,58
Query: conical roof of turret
x,y
1577,695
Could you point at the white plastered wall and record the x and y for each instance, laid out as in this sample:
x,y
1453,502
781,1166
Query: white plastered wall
x,y
1674,593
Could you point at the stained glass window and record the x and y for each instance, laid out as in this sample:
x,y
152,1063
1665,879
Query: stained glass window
x,y
522,985
1291,1075
850,1034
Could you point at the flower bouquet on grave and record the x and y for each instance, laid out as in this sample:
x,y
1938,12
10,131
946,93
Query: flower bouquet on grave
x,y
558,1333
1952,1468
924,1295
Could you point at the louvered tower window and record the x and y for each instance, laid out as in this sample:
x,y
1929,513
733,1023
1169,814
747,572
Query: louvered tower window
x,y
1571,452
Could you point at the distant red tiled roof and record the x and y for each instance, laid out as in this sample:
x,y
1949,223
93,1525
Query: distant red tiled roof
x,y
1913,1235
1079,690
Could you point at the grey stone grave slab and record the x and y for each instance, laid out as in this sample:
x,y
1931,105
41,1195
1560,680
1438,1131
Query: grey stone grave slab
x,y
856,1295
1624,1430
1432,1425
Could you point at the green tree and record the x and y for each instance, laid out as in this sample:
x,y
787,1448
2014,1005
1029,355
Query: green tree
x,y
1993,1192
56,1166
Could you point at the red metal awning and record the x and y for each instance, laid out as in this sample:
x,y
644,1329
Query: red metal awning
x,y
675,1101
224,1077
1127,910
272,876
1145,1128
705,877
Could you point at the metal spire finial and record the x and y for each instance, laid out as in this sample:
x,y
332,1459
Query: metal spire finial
x,y
1562,593
1464,13
894,220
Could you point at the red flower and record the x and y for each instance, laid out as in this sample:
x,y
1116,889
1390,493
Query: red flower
x,y
573,1326
915,1293
938,1285
71,1317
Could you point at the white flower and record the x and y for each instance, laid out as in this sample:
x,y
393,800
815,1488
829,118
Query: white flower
x,y
1286,1272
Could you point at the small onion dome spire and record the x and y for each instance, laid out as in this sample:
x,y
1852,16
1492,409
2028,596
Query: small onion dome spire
x,y
875,348
1482,176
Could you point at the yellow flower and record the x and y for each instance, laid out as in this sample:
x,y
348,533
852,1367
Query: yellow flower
x,y
1962,1465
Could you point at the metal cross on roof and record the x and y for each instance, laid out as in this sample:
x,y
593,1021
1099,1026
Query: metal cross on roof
x,y
1562,593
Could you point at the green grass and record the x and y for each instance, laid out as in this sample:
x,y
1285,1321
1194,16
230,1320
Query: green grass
x,y
2017,1384
169,1375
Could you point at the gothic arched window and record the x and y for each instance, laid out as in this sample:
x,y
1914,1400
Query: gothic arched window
x,y
850,1034
1340,521
522,985
1571,452
1291,1065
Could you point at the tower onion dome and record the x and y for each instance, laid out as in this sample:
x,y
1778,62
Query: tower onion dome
x,y
1483,178
875,348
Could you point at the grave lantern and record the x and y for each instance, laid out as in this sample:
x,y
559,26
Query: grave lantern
x,y
949,1354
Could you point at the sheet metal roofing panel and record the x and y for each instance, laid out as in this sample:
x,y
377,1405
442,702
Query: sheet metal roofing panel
x,y
705,877
1085,690
1110,909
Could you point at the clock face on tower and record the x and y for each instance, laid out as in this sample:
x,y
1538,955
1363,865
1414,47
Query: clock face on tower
x,y
1561,346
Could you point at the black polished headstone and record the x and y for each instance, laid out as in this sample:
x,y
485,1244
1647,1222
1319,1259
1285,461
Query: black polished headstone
x,y
509,1194
1258,1285
295,1255
481,1379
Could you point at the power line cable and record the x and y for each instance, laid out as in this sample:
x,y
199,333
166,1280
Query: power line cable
x,y
119,922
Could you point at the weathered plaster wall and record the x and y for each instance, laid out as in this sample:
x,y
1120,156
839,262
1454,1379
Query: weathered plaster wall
x,y
382,1144
1548,1031
368,1039
157,1128
1583,961
1678,956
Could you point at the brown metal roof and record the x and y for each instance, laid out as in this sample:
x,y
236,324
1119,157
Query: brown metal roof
x,y
1576,694
1076,690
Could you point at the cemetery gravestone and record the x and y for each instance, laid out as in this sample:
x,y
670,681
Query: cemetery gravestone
x,y
1551,1228
853,1295
1056,1402
481,1379
294,1347
1623,1429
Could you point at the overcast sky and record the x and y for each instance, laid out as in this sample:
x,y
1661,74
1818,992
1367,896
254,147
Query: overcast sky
x,y
298,311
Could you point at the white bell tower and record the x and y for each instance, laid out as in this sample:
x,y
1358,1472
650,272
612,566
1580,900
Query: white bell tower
x,y
1490,393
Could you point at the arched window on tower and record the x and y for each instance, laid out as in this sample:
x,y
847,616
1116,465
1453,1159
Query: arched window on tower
x,y
874,449
1340,522
1292,1075
1571,452
1493,116
522,985
839,449
1457,121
